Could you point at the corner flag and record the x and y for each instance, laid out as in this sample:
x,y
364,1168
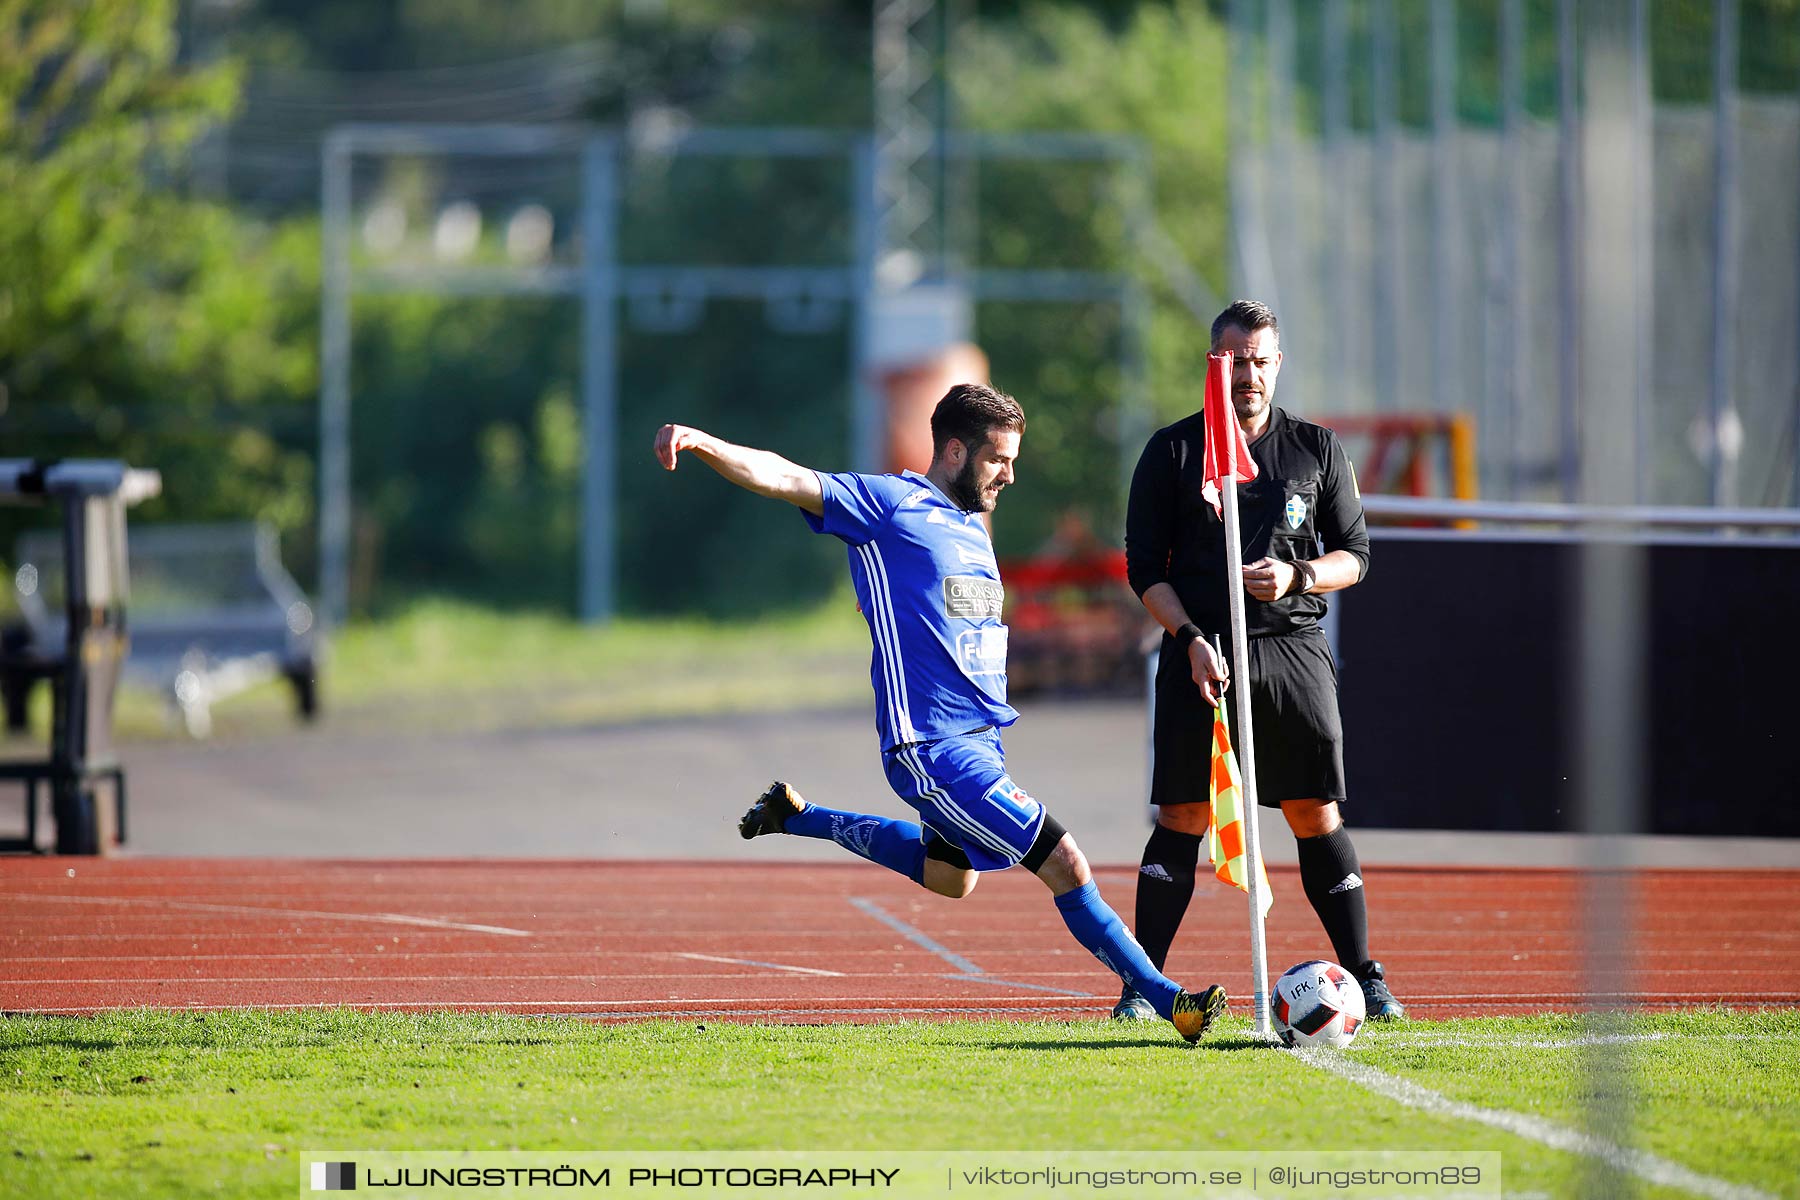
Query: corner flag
x,y
1225,839
1226,463
1222,423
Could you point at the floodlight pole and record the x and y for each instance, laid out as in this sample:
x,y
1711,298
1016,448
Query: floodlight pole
x,y
1514,200
868,433
334,385
1724,428
599,375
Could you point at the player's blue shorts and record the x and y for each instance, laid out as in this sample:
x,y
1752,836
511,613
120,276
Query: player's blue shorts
x,y
964,796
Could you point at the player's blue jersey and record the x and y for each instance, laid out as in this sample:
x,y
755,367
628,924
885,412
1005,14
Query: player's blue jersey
x,y
926,578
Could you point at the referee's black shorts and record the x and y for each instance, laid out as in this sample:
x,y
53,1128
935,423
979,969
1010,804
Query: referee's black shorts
x,y
1293,703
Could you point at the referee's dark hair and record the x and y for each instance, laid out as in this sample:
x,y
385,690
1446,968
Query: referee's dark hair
x,y
1247,315
969,412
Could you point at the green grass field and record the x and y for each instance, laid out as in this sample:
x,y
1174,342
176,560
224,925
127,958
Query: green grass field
x,y
170,1104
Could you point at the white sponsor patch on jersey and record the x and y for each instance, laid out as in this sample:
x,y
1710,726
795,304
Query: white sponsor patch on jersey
x,y
982,651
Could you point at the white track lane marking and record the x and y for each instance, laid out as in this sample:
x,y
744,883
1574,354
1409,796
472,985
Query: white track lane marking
x,y
751,962
197,906
924,1005
996,981
1641,1163
965,968
916,936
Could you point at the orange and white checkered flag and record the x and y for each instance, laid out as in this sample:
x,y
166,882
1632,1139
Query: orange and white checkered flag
x,y
1225,832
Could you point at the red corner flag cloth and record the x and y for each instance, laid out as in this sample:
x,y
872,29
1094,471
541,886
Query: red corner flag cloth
x,y
1225,832
1221,423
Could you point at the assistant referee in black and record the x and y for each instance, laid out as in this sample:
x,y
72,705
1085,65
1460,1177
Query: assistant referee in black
x,y
1303,536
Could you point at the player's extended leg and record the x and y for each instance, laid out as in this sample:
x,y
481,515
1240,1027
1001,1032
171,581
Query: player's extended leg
x,y
896,845
1059,862
1331,874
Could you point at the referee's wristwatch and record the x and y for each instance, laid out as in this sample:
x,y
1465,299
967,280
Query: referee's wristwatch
x,y
1307,579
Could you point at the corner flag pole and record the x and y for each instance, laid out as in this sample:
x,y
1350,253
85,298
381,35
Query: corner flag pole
x,y
1246,736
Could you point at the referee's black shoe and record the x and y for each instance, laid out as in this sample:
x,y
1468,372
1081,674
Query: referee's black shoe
x,y
771,811
1379,1003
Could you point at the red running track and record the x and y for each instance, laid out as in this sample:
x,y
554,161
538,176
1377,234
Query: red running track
x,y
793,943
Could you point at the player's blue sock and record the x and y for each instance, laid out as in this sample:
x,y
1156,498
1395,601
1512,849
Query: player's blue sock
x,y
1096,926
893,844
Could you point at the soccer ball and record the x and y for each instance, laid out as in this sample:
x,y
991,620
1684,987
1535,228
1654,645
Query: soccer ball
x,y
1318,1004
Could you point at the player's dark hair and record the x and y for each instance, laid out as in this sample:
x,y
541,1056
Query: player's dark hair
x,y
970,412
1247,315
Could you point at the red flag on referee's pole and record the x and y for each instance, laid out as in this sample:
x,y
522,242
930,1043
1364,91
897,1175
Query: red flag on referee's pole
x,y
1221,423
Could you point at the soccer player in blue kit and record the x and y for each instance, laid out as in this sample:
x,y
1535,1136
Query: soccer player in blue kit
x,y
925,576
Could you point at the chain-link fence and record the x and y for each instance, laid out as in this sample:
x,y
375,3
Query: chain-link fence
x,y
1410,192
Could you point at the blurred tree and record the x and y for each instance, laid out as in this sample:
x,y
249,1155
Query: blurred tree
x,y
1157,75
136,323
455,400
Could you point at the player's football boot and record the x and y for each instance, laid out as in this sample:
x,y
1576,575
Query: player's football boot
x,y
1193,1015
1133,1007
770,812
1377,1000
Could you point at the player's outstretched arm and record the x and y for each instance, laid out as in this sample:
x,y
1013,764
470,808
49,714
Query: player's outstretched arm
x,y
761,471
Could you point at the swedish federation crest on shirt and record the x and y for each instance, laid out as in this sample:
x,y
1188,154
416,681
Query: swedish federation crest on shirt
x,y
1295,511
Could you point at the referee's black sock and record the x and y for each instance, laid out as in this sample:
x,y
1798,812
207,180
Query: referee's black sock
x,y
1332,877
1165,885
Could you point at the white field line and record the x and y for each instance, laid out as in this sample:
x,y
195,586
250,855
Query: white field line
x,y
1501,1041
1525,1041
751,962
1646,1166
197,906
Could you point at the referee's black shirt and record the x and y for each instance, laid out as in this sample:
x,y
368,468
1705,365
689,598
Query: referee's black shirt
x,y
1304,496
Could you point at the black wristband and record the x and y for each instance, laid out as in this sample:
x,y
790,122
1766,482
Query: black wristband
x,y
1187,635
1305,578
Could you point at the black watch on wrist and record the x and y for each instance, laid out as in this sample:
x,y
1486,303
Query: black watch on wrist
x,y
1187,635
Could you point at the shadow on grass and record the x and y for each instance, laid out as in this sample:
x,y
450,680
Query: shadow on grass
x,y
1230,1042
28,1042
